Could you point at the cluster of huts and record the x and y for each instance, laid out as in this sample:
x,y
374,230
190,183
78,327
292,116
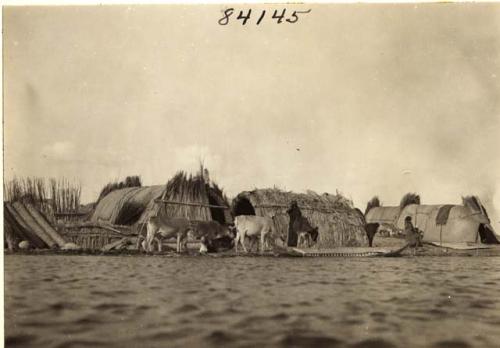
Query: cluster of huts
x,y
122,213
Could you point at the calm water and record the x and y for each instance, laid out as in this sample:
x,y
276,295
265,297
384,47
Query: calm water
x,y
131,301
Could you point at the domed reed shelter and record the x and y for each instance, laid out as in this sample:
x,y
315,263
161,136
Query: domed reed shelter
x,y
192,197
443,224
338,222
125,206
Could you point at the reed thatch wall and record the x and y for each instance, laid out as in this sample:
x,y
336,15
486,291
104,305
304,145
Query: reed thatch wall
x,y
191,197
338,222
95,236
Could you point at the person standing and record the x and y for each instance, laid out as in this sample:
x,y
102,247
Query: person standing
x,y
411,234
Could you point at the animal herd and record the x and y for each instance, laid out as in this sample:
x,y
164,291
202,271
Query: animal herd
x,y
247,231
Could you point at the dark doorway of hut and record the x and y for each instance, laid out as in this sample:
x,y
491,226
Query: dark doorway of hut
x,y
295,215
217,213
244,207
486,235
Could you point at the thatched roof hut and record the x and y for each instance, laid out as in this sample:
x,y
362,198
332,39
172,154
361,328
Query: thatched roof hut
x,y
192,197
338,222
442,224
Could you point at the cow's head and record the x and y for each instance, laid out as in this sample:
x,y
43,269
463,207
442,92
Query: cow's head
x,y
231,228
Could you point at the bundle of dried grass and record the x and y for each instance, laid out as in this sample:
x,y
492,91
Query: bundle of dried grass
x,y
29,190
409,198
194,197
52,196
130,181
184,188
65,196
372,203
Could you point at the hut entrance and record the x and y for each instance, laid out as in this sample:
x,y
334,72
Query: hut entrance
x,y
295,216
216,213
487,236
244,207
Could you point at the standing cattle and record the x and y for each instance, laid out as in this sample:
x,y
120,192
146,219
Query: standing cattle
x,y
300,231
253,227
159,228
307,237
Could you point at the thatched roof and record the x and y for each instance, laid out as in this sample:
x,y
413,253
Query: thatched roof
x,y
130,181
193,197
125,206
24,221
338,222
386,215
190,196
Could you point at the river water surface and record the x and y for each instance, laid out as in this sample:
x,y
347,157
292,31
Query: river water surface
x,y
132,301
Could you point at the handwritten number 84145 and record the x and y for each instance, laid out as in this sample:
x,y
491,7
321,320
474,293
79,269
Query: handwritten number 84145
x,y
244,17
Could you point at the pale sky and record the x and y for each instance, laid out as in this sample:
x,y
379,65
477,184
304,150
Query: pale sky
x,y
366,99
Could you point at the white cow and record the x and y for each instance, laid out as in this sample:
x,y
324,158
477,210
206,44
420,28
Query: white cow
x,y
159,228
252,226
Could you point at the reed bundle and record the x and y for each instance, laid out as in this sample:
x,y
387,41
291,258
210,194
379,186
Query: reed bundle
x,y
51,196
130,181
186,188
372,203
409,198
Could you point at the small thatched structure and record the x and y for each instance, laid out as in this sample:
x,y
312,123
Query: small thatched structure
x,y
338,222
192,197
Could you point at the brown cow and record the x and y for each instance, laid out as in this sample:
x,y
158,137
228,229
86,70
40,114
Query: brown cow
x,y
159,228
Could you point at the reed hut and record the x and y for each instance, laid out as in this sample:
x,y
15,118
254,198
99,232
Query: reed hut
x,y
193,197
443,224
338,222
190,196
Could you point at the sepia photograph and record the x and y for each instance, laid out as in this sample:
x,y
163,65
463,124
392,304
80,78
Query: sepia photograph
x,y
251,175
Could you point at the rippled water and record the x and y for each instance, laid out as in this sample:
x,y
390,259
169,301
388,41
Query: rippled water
x,y
131,301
